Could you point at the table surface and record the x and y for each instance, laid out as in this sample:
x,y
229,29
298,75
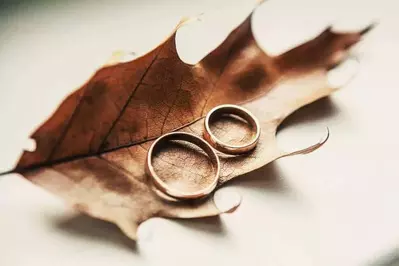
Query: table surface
x,y
336,206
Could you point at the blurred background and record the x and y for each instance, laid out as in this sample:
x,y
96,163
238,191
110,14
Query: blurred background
x,y
337,206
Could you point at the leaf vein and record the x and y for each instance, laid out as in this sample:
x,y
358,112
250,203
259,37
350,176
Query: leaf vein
x,y
101,147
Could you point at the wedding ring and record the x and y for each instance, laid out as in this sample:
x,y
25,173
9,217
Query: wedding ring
x,y
235,110
173,192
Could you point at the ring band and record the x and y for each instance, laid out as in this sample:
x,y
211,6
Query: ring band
x,y
224,147
175,193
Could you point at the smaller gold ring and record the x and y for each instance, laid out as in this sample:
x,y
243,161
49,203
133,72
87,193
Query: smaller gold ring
x,y
164,187
222,146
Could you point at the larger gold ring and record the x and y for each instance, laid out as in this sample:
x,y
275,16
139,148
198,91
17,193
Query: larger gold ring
x,y
164,187
222,146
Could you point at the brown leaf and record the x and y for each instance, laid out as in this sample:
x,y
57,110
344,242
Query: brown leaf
x,y
92,150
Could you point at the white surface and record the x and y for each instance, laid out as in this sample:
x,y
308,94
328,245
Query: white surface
x,y
337,206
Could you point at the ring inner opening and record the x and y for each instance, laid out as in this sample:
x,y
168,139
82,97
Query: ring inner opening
x,y
183,166
231,129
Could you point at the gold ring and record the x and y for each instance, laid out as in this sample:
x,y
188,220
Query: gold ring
x,y
224,147
164,187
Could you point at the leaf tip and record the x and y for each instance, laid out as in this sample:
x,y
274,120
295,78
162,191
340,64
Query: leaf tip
x,y
129,228
369,28
309,149
326,137
322,141
227,201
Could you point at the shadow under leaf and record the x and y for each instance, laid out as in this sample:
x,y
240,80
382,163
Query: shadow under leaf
x,y
268,177
318,110
96,230
389,259
208,225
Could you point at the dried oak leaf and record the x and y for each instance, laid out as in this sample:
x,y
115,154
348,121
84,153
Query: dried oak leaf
x,y
92,150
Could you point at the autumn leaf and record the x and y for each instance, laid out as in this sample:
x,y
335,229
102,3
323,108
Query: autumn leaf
x,y
92,150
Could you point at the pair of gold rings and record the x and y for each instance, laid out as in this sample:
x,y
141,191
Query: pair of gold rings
x,y
209,144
